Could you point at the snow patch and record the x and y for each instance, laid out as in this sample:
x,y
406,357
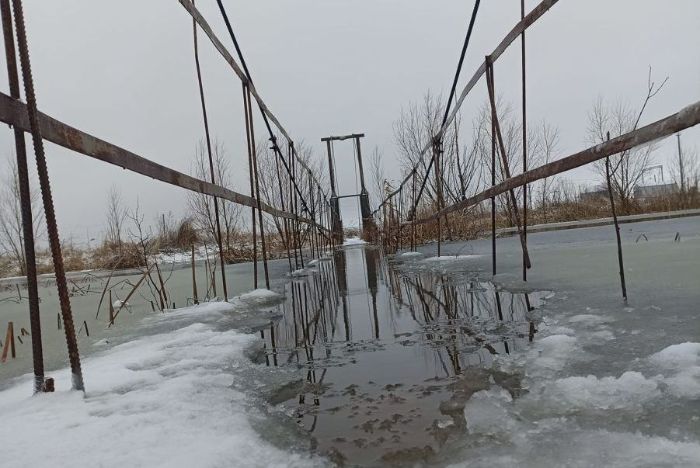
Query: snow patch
x,y
353,241
450,258
410,255
679,356
552,352
487,412
261,297
630,389
158,401
589,319
681,364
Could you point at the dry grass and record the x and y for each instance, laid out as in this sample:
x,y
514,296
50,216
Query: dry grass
x,y
475,222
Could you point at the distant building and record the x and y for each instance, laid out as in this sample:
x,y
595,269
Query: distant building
x,y
594,195
648,192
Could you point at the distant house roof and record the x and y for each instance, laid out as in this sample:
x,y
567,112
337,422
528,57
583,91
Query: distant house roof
x,y
652,191
600,192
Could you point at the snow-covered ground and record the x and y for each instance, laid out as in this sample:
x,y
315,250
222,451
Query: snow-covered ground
x,y
547,426
160,400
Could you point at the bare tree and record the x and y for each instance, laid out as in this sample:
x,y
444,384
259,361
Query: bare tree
x,y
685,170
629,166
11,233
415,129
549,140
202,206
377,175
116,214
275,184
512,142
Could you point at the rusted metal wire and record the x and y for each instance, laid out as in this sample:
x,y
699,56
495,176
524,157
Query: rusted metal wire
x,y
534,15
263,111
25,204
47,198
241,73
212,173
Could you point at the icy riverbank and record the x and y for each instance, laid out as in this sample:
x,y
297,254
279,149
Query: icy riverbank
x,y
159,400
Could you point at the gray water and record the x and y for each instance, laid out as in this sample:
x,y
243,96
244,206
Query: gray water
x,y
377,359
86,290
416,361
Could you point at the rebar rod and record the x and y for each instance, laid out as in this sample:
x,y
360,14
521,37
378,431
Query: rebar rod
x,y
25,204
210,156
47,198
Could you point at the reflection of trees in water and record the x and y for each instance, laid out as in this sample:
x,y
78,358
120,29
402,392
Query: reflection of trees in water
x,y
459,322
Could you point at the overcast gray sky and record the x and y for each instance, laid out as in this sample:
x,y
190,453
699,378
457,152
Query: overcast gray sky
x,y
124,71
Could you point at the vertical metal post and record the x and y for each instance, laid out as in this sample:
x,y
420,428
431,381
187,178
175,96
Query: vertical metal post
x,y
363,189
337,225
438,189
47,198
195,299
256,173
295,195
681,170
524,93
312,227
413,219
617,228
25,203
504,158
251,177
285,221
493,183
292,203
212,172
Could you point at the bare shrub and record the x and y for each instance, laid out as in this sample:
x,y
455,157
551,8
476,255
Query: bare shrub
x,y
11,232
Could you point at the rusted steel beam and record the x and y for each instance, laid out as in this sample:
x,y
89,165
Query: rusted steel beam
x,y
518,29
344,137
14,112
685,118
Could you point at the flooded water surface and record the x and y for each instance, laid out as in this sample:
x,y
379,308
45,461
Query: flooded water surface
x,y
369,359
392,353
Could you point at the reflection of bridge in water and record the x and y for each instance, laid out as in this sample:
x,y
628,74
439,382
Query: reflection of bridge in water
x,y
363,323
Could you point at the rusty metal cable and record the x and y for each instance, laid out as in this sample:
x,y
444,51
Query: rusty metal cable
x,y
25,203
211,160
47,198
279,154
453,91
475,10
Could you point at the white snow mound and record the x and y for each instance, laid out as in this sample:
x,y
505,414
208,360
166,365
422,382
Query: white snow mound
x,y
158,401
